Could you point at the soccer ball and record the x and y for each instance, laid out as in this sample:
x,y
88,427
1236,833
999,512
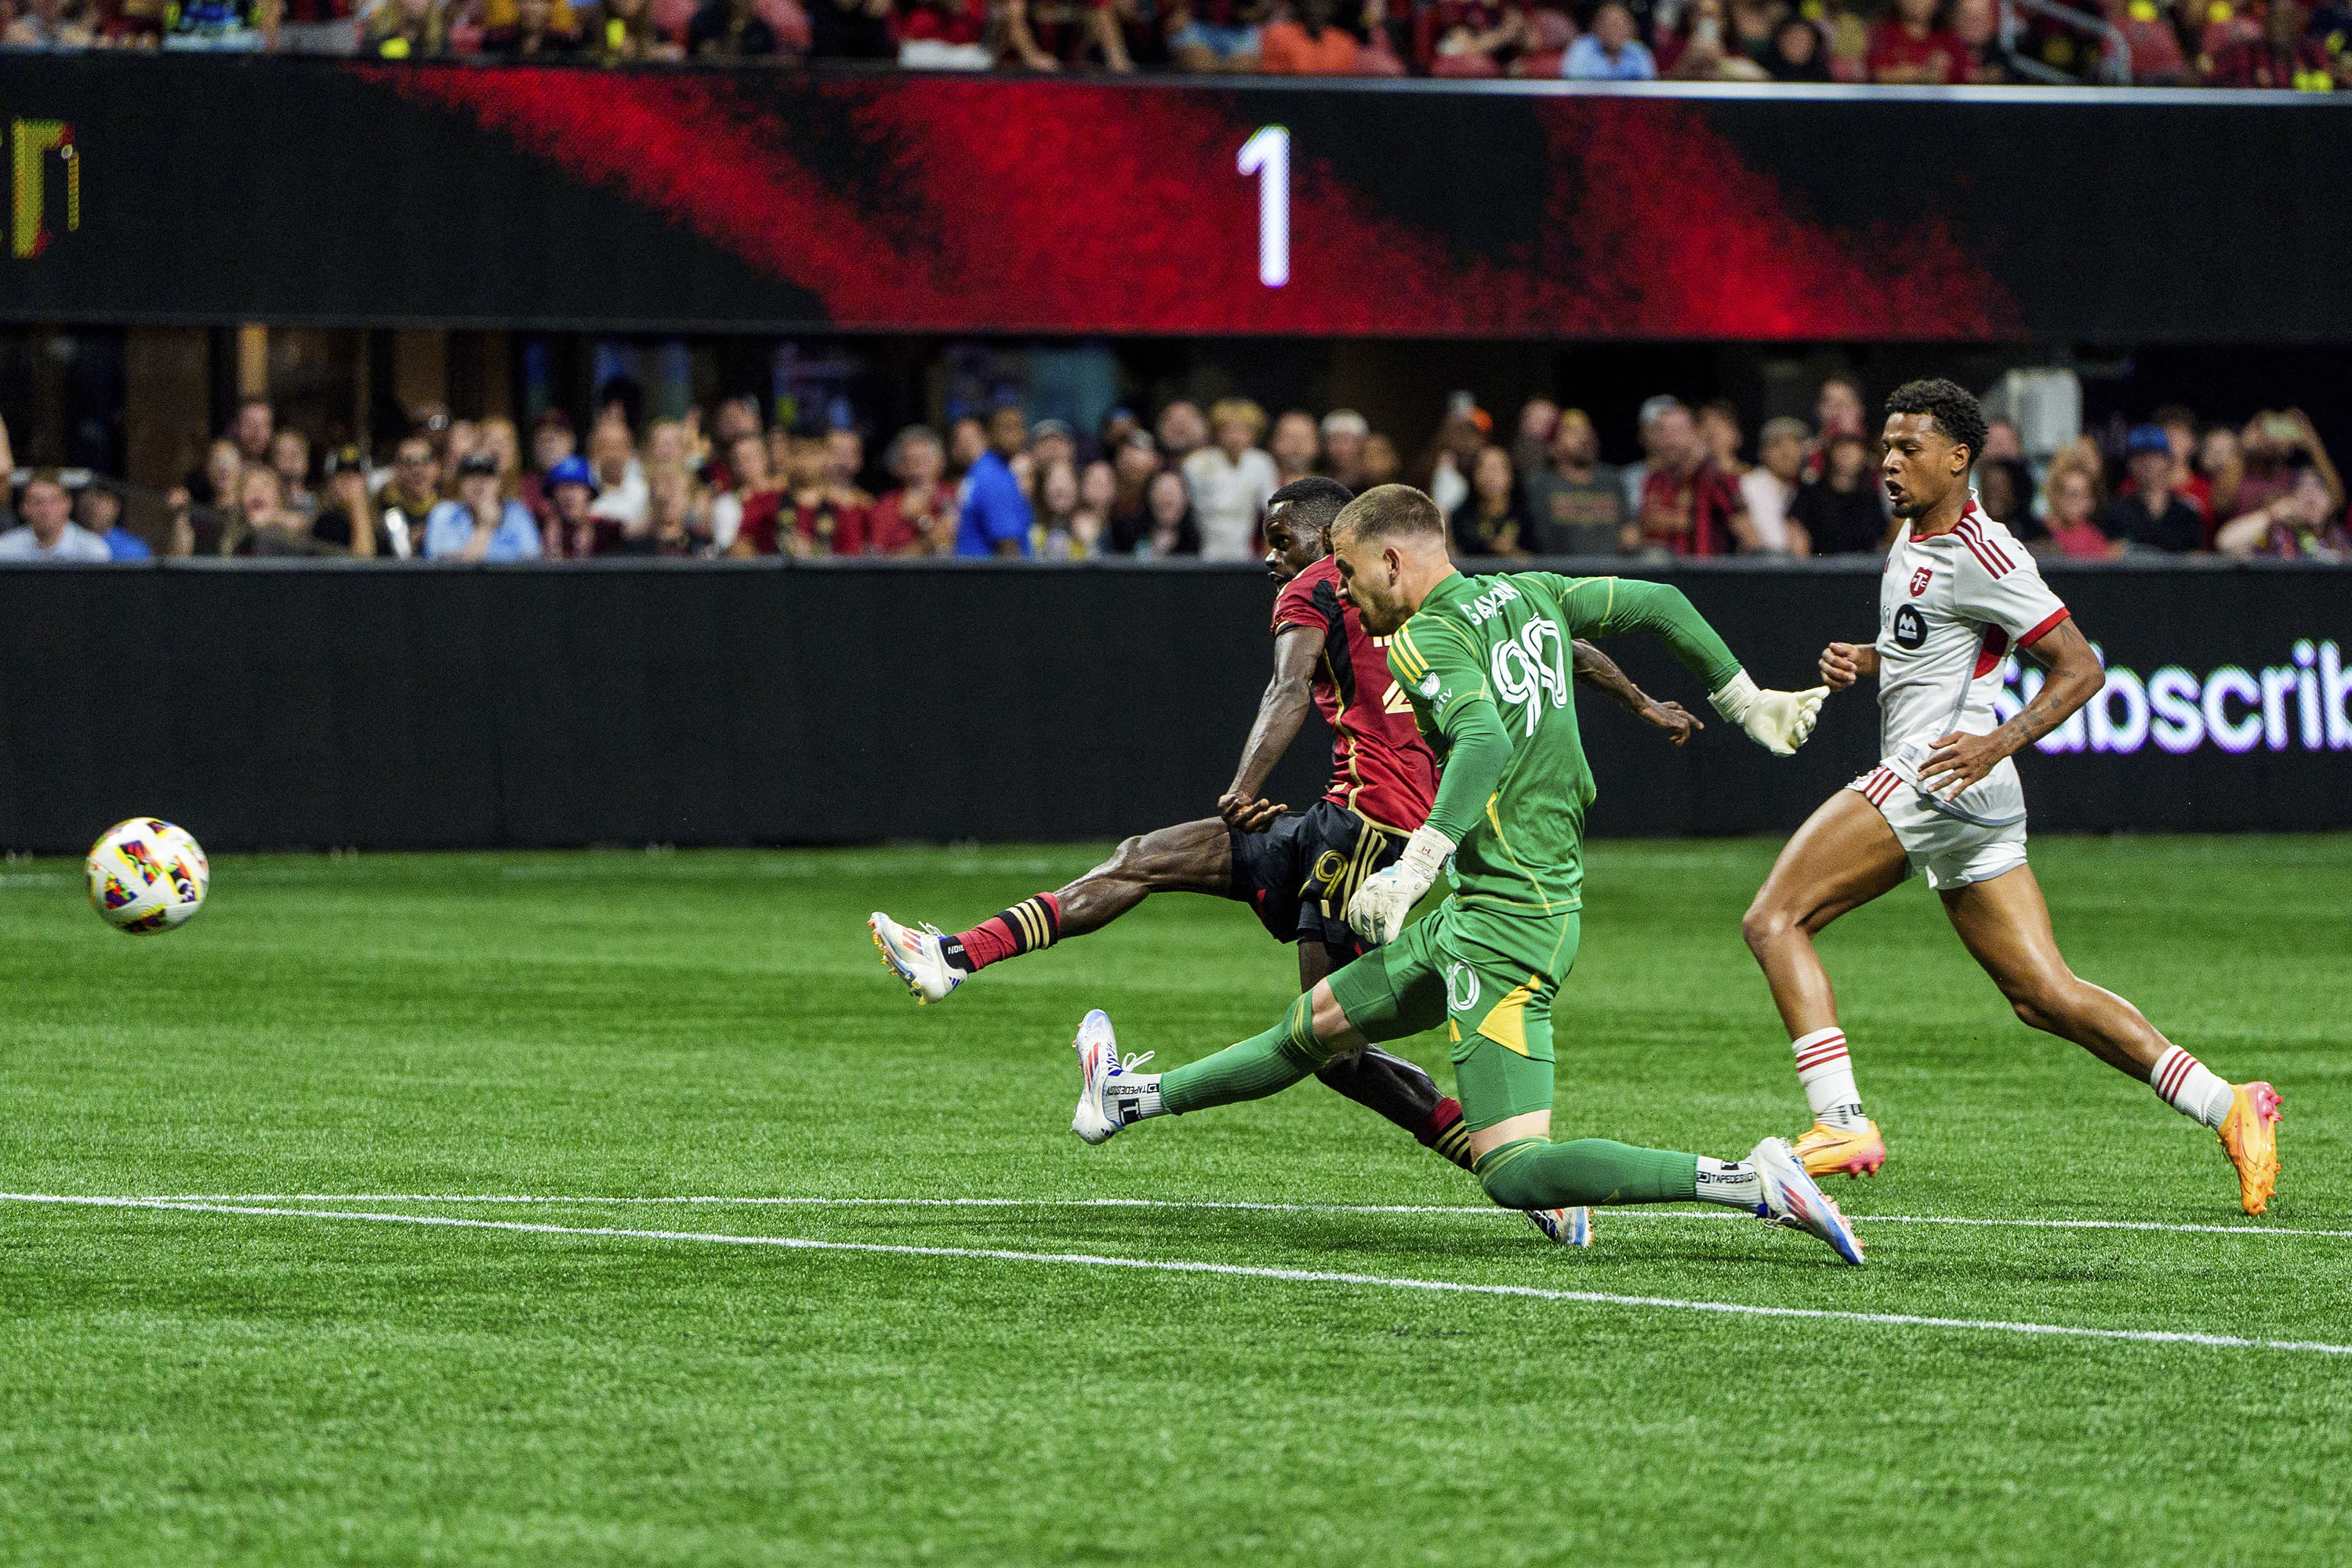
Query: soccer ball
x,y
146,874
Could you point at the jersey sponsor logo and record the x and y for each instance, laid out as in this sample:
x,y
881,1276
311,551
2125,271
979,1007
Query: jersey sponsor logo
x,y
1489,605
1461,987
1531,667
1910,629
1919,581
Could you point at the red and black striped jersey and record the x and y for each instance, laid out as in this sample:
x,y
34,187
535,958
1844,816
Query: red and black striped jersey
x,y
1381,767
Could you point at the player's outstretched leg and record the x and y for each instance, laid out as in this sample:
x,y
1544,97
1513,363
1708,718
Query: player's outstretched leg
x,y
1844,856
1191,857
2005,923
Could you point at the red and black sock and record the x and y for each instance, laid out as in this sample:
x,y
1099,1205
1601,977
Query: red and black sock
x,y
1027,926
1445,1132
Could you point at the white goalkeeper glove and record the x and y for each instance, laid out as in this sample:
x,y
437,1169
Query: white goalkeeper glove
x,y
1377,911
1777,721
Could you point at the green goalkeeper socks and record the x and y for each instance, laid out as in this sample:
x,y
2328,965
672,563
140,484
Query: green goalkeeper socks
x,y
1259,1066
1537,1173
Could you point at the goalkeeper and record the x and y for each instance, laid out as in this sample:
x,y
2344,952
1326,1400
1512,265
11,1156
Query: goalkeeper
x,y
1486,663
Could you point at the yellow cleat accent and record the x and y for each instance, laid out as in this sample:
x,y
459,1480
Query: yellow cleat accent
x,y
2248,1134
1830,1151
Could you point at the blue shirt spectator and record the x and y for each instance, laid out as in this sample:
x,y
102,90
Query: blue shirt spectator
x,y
996,516
122,545
1610,51
449,529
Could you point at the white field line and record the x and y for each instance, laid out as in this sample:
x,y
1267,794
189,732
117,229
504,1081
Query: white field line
x,y
1228,1270
1487,1209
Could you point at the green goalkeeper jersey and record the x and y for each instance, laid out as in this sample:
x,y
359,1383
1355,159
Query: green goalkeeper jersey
x,y
1486,664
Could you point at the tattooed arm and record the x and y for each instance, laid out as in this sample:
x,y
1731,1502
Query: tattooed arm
x,y
1599,672
2075,677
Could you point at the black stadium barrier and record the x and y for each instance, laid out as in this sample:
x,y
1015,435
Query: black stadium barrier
x,y
392,707
186,188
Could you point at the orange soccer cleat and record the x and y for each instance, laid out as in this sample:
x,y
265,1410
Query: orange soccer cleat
x,y
1830,1151
2249,1136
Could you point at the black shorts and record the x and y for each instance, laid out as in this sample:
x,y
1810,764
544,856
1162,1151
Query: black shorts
x,y
1299,874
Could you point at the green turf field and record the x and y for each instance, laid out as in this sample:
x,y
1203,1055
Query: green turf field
x,y
576,1030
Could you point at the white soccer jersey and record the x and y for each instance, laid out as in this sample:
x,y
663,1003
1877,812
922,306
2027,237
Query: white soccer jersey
x,y
1949,608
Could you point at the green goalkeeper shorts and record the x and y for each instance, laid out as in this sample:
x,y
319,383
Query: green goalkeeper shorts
x,y
1489,978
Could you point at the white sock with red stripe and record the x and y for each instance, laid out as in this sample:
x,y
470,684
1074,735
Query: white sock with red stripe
x,y
1827,1073
2191,1088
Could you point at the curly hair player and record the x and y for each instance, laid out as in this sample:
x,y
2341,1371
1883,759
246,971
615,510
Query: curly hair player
x,y
1957,593
1485,664
1297,870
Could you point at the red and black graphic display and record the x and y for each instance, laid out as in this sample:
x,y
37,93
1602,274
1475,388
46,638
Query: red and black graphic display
x,y
683,199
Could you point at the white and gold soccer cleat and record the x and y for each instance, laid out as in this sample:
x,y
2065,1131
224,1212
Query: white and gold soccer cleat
x,y
914,956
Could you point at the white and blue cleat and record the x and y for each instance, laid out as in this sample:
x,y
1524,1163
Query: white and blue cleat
x,y
1794,1199
1103,1106
915,957
1570,1227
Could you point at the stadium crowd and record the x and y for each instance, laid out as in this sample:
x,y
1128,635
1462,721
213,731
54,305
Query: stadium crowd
x,y
1189,484
2272,44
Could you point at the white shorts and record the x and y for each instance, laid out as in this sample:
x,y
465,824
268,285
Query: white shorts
x,y
1973,840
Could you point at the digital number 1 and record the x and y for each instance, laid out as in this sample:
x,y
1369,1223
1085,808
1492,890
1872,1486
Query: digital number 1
x,y
1267,155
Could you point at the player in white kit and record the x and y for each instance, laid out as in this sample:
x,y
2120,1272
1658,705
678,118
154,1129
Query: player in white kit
x,y
1957,596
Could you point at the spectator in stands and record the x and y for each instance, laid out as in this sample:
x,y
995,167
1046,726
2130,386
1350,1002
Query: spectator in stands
x,y
671,518
851,30
1575,505
624,32
1912,47
1719,433
996,516
1344,434
1842,512
98,509
1098,489
1797,54
2302,524
406,30
1296,447
1213,35
48,26
730,30
1635,475
1133,462
223,26
2071,498
967,442
2179,427
943,35
539,31
826,516
1052,441
918,518
1698,52
1489,521
1313,45
1531,446
1382,466
2149,513
1769,488
289,456
48,531
1610,51
2220,463
1690,504
1170,529
1447,458
481,525
251,427
1183,431
1231,481
406,505
1468,37
2283,56
2005,492
2002,441
751,494
346,519
2276,447
1837,410
1053,536
1976,26
262,523
553,439
620,477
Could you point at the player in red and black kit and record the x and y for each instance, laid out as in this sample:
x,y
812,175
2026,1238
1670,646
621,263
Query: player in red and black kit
x,y
1297,870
